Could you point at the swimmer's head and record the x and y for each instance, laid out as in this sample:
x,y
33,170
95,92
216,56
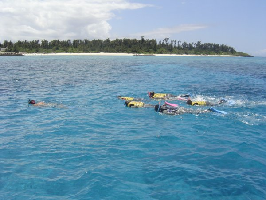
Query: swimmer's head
x,y
184,95
151,94
189,102
222,101
31,101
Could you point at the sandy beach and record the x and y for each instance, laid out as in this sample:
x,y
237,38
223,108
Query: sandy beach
x,y
109,54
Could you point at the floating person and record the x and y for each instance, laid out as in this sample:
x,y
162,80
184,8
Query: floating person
x,y
138,104
43,104
129,98
168,109
204,103
166,96
32,102
176,110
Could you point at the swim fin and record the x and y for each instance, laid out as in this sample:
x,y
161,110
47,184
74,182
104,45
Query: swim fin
x,y
218,111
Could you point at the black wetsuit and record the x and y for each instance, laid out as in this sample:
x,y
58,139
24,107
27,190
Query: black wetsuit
x,y
170,110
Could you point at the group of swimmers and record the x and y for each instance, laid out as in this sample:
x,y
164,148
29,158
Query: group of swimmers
x,y
169,108
166,108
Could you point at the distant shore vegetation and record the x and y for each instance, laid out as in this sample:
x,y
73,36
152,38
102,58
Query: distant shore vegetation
x,y
137,46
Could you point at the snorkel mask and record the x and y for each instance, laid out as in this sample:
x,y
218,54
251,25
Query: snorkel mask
x,y
151,94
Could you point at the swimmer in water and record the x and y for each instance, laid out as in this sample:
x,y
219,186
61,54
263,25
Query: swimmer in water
x,y
176,110
166,96
204,103
138,104
129,98
43,104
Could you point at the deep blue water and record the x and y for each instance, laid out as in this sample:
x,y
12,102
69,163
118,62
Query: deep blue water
x,y
96,148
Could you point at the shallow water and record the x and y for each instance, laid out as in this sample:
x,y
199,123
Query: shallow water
x,y
96,148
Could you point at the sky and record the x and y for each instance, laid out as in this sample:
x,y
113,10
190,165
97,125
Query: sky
x,y
237,23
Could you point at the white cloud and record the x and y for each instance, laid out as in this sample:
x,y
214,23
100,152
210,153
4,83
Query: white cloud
x,y
58,19
167,32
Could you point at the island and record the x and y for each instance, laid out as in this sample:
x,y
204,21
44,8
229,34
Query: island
x,y
135,47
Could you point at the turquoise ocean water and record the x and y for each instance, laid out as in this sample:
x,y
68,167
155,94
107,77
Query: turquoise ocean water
x,y
96,148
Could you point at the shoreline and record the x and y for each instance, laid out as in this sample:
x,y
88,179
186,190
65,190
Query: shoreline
x,y
114,54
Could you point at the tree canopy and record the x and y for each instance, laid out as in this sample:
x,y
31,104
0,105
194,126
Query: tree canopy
x,y
141,46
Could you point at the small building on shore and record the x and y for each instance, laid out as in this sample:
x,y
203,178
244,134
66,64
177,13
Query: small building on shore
x,y
3,52
2,49
10,54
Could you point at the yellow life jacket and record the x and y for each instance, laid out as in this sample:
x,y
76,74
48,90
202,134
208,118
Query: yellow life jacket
x,y
135,104
127,98
159,96
199,103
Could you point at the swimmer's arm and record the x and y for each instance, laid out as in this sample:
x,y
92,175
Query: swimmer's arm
x,y
169,113
192,111
148,106
201,111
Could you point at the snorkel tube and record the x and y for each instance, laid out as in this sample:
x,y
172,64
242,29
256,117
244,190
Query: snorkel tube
x,y
126,103
158,110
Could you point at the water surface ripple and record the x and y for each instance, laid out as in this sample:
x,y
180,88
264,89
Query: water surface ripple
x,y
96,148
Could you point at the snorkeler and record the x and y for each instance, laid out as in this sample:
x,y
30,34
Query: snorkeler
x,y
32,102
129,98
165,96
173,109
204,103
43,104
138,104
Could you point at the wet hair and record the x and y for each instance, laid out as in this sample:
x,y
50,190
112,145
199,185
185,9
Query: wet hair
x,y
151,94
31,101
189,102
126,103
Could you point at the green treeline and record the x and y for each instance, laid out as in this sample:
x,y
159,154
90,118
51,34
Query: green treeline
x,y
142,46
